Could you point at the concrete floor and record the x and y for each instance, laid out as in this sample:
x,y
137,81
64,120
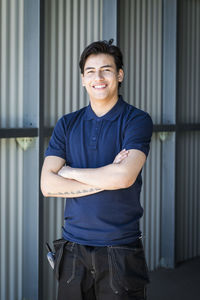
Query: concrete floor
x,y
181,283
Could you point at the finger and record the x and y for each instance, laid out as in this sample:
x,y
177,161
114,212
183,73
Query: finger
x,y
123,154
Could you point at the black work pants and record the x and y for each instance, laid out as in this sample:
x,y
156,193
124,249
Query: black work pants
x,y
100,273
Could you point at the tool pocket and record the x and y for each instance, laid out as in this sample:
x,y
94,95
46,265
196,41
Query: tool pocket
x,y
128,270
59,246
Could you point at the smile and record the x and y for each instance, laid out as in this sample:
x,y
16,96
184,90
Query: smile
x,y
99,86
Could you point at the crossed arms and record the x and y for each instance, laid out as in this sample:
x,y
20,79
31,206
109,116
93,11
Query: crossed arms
x,y
58,180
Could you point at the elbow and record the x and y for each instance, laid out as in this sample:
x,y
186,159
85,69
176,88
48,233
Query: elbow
x,y
127,182
43,188
44,192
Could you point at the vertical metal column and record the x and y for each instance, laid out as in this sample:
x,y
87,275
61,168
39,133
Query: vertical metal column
x,y
110,20
169,140
30,163
41,149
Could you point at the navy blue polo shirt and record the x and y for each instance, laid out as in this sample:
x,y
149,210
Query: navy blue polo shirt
x,y
85,140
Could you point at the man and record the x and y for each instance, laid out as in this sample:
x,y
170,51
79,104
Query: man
x,y
94,159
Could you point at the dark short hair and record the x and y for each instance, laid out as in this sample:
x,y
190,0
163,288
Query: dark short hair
x,y
105,47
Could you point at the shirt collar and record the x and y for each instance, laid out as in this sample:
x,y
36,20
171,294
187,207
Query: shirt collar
x,y
111,115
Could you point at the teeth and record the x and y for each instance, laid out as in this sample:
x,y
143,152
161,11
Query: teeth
x,y
99,86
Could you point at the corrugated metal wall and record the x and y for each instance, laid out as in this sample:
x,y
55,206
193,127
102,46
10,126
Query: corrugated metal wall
x,y
151,202
11,62
11,156
188,196
188,143
11,212
69,27
140,38
188,101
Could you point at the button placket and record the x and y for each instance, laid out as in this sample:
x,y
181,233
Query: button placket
x,y
95,134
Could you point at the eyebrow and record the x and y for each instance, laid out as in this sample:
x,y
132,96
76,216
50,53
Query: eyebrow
x,y
105,66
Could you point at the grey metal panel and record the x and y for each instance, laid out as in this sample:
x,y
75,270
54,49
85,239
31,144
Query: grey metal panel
x,y
11,62
110,20
150,199
70,26
188,143
11,221
53,221
188,196
11,156
169,142
188,91
31,65
140,38
169,61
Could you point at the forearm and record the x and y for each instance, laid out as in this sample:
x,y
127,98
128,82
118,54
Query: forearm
x,y
110,177
53,185
122,173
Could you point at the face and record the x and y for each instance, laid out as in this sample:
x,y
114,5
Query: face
x,y
101,78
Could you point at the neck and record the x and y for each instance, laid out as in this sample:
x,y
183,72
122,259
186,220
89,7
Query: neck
x,y
101,107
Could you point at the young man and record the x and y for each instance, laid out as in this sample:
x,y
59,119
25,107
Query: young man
x,y
94,159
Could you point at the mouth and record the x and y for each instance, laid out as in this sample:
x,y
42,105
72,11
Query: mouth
x,y
99,86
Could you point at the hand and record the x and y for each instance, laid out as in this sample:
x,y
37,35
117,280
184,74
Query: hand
x,y
65,172
121,156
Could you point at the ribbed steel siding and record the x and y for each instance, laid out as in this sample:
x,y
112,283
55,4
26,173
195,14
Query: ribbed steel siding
x,y
151,202
11,210
188,61
188,196
11,156
52,223
188,143
70,26
140,38
11,62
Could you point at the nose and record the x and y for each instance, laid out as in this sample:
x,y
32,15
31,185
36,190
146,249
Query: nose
x,y
99,75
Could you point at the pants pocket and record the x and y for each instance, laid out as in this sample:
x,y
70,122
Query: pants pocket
x,y
59,246
128,269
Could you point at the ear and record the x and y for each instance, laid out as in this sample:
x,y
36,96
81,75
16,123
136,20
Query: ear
x,y
83,80
120,75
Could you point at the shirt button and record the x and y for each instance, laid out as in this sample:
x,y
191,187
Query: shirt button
x,y
94,138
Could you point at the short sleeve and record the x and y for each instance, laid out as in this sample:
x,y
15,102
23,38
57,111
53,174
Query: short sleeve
x,y
138,132
57,143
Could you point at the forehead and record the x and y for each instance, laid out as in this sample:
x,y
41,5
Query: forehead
x,y
99,60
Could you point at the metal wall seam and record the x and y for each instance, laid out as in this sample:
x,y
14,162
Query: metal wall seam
x,y
11,59
11,208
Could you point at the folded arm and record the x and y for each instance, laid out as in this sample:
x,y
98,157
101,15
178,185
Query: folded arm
x,y
54,185
110,177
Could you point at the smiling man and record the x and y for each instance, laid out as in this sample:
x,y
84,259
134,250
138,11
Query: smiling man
x,y
94,159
